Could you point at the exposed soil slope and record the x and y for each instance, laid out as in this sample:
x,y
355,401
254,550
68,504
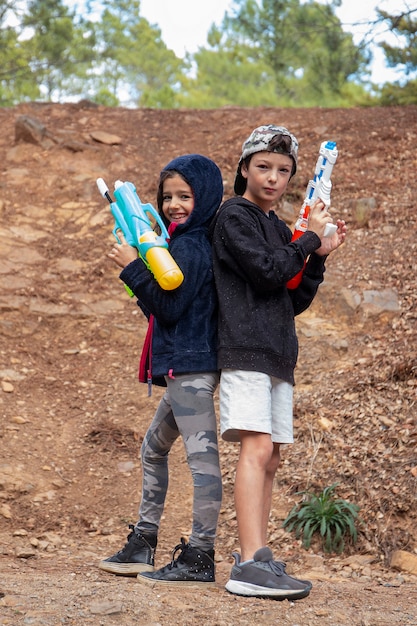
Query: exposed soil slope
x,y
72,414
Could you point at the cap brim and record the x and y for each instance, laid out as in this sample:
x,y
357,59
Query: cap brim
x,y
240,182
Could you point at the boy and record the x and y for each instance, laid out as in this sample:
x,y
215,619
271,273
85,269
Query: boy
x,y
254,259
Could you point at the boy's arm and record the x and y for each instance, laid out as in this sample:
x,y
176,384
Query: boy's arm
x,y
240,245
313,276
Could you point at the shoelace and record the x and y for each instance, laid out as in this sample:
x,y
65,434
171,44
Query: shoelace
x,y
181,547
132,528
278,567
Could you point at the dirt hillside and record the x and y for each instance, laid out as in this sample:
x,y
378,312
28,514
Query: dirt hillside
x,y
72,414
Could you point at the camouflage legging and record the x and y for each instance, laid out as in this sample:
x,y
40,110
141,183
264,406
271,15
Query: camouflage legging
x,y
186,409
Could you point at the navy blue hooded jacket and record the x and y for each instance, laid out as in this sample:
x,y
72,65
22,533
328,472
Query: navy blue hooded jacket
x,y
185,319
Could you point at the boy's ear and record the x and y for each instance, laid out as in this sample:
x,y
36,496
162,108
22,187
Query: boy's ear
x,y
244,170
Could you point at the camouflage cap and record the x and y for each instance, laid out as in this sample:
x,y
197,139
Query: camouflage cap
x,y
258,141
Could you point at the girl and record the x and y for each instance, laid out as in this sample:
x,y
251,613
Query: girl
x,y
182,337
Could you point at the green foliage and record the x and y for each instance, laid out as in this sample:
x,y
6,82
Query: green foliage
x,y
282,53
105,97
133,57
404,56
325,515
225,78
288,53
396,94
59,47
404,27
16,80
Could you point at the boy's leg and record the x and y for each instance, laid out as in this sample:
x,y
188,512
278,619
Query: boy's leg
x,y
255,572
269,483
255,400
252,491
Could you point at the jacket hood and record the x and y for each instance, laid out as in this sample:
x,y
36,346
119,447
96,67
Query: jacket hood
x,y
205,179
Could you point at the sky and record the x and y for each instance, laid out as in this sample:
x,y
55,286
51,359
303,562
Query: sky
x,y
184,24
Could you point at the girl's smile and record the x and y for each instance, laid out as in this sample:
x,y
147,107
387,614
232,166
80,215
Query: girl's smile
x,y
177,199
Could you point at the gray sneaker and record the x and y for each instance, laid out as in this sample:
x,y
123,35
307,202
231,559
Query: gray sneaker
x,y
264,577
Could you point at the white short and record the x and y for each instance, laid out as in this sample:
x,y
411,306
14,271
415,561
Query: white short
x,y
257,402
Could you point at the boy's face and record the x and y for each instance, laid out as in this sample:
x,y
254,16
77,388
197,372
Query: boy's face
x,y
177,199
267,177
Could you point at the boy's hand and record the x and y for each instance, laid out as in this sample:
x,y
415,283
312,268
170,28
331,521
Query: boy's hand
x,y
328,244
318,218
122,253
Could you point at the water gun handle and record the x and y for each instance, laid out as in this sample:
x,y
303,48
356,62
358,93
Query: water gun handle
x,y
299,229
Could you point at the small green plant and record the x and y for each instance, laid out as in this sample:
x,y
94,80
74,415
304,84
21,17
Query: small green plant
x,y
324,514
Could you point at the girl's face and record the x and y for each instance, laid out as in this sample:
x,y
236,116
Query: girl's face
x,y
177,199
267,176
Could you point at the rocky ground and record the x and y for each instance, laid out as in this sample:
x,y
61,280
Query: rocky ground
x,y
72,415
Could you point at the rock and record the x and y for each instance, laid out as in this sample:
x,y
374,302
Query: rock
x,y
347,302
7,387
314,561
10,374
333,296
106,608
404,561
26,552
107,138
5,511
287,213
376,302
13,479
30,130
362,210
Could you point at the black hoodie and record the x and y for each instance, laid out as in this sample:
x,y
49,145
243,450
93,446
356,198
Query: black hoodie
x,y
254,259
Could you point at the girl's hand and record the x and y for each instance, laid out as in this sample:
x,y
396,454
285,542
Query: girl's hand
x,y
122,253
328,244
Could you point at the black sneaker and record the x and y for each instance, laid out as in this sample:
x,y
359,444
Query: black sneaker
x,y
193,567
264,577
137,555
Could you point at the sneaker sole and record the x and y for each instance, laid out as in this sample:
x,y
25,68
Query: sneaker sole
x,y
247,589
125,569
153,582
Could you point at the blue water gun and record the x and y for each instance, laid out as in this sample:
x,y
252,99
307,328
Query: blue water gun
x,y
132,218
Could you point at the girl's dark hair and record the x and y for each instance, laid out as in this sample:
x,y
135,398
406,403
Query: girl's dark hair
x,y
165,174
